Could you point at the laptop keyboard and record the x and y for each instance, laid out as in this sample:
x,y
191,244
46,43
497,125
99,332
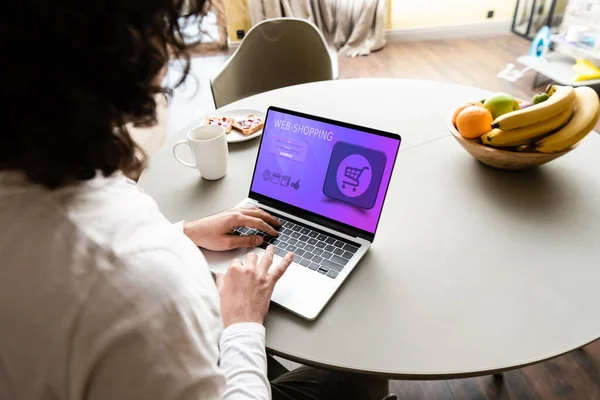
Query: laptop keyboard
x,y
312,249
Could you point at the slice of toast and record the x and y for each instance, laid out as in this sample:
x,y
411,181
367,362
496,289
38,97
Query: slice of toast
x,y
249,125
225,122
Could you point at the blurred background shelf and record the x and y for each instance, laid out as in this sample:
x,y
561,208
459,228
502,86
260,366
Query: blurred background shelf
x,y
556,69
575,50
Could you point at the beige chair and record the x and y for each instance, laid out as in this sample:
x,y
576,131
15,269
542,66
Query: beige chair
x,y
275,53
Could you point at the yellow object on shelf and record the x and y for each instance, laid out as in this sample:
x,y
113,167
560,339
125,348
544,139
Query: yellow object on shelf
x,y
585,70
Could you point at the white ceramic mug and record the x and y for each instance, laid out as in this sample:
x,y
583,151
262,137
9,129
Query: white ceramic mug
x,y
209,148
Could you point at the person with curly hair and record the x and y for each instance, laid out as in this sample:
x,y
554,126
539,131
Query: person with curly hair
x,y
100,296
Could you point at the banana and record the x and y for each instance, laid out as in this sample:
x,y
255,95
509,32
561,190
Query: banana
x,y
527,134
526,148
550,89
587,112
561,100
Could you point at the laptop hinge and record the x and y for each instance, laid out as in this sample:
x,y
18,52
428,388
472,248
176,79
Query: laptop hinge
x,y
314,218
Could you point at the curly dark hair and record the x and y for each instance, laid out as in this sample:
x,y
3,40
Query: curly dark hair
x,y
76,72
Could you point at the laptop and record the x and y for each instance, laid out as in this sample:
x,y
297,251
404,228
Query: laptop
x,y
326,182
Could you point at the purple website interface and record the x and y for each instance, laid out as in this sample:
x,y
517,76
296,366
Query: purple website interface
x,y
336,172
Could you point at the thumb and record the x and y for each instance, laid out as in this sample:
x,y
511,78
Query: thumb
x,y
245,241
219,280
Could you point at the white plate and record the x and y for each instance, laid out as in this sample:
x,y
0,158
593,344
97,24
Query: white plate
x,y
235,136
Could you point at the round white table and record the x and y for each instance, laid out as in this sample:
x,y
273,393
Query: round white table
x,y
472,271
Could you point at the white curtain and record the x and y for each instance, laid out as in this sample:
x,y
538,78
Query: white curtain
x,y
354,27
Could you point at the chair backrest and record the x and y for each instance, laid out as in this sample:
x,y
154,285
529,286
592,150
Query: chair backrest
x,y
275,53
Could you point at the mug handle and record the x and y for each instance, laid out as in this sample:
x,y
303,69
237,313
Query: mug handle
x,y
187,164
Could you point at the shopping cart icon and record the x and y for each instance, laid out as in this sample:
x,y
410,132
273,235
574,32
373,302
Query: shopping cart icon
x,y
353,174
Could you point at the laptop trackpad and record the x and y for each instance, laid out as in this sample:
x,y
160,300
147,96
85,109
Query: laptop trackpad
x,y
303,291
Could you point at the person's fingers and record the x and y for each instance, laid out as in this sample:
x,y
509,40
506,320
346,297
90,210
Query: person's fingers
x,y
251,260
267,260
278,271
257,223
262,214
219,280
235,242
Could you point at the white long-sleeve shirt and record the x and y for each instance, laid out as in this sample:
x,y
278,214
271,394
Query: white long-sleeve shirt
x,y
102,298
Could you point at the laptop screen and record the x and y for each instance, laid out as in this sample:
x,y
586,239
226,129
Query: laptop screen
x,y
332,169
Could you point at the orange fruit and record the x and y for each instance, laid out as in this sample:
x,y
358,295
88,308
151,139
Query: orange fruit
x,y
474,121
459,109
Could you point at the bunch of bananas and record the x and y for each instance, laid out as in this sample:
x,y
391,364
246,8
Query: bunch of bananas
x,y
549,127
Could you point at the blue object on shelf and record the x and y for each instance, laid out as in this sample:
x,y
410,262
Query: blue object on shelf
x,y
590,40
541,43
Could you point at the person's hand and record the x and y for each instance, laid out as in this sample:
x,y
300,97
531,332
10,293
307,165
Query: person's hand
x,y
246,289
216,232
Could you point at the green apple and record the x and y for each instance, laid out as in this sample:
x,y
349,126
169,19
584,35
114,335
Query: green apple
x,y
501,103
540,98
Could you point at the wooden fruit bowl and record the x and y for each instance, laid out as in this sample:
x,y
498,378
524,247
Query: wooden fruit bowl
x,y
503,159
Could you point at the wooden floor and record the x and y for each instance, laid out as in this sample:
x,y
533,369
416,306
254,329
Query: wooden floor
x,y
476,62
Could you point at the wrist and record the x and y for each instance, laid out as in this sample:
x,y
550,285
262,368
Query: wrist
x,y
190,229
243,327
227,324
187,230
239,319
185,226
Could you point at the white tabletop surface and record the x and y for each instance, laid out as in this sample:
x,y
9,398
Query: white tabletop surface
x,y
472,270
